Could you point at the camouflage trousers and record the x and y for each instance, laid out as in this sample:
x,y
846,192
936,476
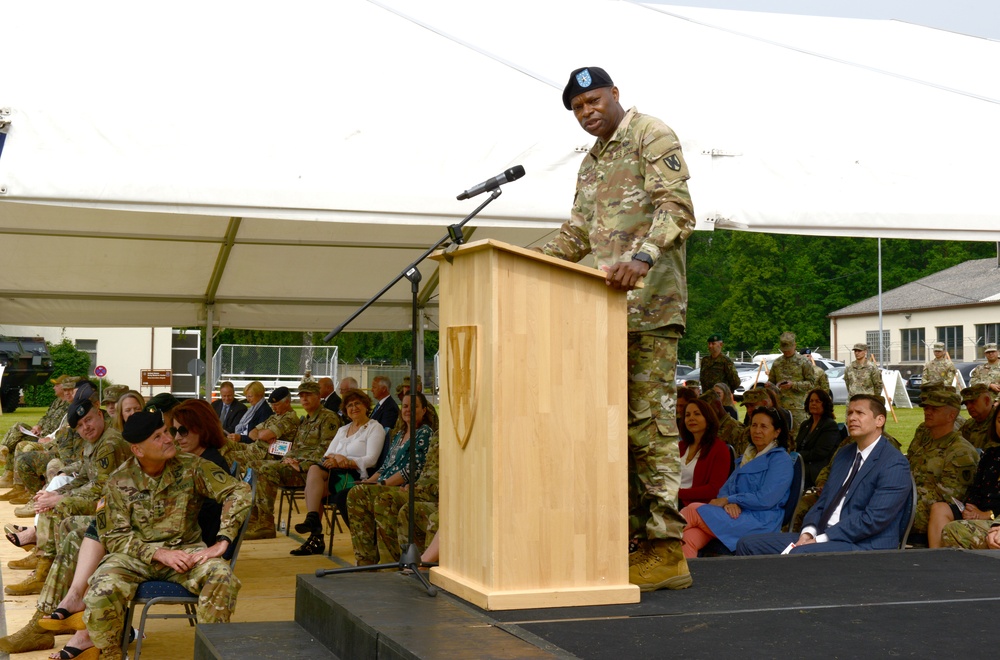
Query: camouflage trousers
x,y
425,524
969,534
273,474
13,438
57,584
654,457
806,503
114,583
47,528
252,455
31,460
374,513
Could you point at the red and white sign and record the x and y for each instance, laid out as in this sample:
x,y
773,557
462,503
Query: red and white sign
x,y
100,371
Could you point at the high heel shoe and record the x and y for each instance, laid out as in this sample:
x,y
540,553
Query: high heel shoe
x,y
313,546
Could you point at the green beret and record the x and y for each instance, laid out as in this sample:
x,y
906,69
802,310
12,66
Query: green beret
x,y
939,397
141,425
714,338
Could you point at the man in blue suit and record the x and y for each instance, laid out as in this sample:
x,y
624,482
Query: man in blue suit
x,y
864,499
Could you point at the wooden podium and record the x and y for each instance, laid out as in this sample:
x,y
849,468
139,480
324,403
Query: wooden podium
x,y
534,414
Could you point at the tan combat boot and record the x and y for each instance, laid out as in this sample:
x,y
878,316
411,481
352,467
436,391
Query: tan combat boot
x,y
24,497
28,563
29,638
662,567
263,530
7,478
16,491
35,581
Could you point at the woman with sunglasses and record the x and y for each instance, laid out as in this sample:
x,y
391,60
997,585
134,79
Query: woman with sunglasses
x,y
752,500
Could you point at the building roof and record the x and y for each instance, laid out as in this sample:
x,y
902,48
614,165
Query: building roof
x,y
969,283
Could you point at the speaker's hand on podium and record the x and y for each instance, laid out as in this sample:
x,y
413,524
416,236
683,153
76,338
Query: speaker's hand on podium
x,y
625,275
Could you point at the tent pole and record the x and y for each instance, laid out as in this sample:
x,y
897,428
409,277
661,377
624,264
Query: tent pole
x,y
881,350
209,348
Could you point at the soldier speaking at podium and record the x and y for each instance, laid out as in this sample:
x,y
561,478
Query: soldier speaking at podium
x,y
633,212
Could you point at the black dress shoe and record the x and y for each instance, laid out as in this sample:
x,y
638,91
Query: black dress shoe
x,y
313,546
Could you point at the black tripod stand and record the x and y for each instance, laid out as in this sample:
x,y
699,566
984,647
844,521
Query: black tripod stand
x,y
410,558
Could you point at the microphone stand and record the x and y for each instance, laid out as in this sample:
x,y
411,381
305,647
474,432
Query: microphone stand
x,y
410,557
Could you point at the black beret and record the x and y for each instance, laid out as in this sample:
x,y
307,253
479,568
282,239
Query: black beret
x,y
585,80
84,390
162,402
278,394
77,411
140,425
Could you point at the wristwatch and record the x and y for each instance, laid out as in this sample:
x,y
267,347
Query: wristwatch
x,y
644,258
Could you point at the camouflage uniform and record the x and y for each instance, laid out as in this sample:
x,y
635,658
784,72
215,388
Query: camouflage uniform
x,y
977,433
311,439
940,369
144,514
49,422
718,370
632,197
69,538
37,462
80,496
968,534
374,511
942,468
797,370
425,524
987,374
284,426
863,378
730,431
822,382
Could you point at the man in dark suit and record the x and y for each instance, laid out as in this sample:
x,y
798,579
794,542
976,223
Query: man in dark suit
x,y
229,410
386,409
331,401
864,499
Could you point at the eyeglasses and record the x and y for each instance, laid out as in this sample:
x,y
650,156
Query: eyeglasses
x,y
181,431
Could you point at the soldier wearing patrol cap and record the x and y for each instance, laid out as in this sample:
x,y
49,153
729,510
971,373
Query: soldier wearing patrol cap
x,y
861,376
943,463
633,212
717,368
988,374
979,403
794,376
47,424
940,368
149,526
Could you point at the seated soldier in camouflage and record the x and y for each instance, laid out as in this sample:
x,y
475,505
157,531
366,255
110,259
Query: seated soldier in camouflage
x,y
64,388
316,430
104,452
150,528
978,401
373,504
955,525
943,463
282,425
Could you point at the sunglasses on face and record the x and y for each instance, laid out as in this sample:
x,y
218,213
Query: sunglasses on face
x,y
181,431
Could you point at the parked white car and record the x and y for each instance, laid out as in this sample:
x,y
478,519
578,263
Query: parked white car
x,y
750,377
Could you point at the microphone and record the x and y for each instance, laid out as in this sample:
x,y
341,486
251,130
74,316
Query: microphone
x,y
512,174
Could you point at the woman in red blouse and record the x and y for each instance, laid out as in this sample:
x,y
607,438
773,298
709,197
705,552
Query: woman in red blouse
x,y
705,460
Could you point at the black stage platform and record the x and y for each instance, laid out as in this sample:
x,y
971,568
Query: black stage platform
x,y
913,603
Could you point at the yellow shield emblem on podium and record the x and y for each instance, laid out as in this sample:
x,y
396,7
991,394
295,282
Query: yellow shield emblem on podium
x,y
463,378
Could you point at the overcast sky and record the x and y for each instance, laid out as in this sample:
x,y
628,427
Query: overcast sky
x,y
980,18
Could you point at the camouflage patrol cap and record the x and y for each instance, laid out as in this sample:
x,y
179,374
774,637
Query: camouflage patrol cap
x,y
584,80
70,382
860,346
787,340
710,396
113,393
714,338
141,425
943,396
755,397
973,392
989,347
938,346
308,387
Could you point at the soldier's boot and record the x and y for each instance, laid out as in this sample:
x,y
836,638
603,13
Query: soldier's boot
x,y
16,491
26,510
7,478
35,581
264,529
29,638
638,555
28,563
662,567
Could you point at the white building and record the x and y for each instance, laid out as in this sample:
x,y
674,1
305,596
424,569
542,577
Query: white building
x,y
126,352
959,306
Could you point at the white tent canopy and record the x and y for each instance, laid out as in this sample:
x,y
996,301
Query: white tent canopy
x,y
206,162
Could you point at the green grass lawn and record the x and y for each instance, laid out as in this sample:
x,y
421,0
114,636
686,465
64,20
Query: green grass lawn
x,y
26,416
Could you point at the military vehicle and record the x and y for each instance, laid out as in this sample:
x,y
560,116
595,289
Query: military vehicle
x,y
26,361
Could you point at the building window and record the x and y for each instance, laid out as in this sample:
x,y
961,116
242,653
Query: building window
x,y
88,346
911,345
875,347
986,333
951,335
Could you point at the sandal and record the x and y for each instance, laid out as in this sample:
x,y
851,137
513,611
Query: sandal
x,y
10,532
70,652
314,546
61,619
